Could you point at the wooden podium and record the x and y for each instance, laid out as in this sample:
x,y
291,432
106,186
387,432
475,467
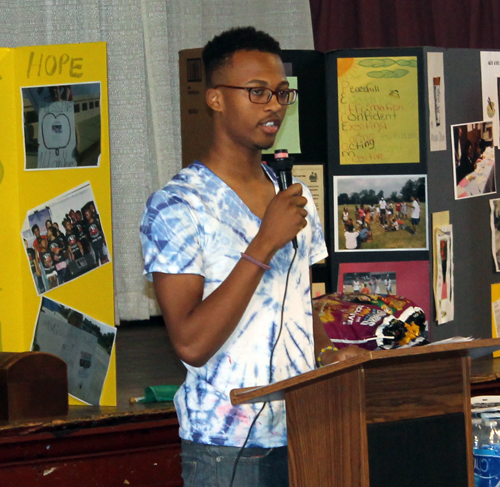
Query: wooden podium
x,y
391,418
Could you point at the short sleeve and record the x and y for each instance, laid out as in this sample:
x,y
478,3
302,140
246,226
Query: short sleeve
x,y
318,250
170,236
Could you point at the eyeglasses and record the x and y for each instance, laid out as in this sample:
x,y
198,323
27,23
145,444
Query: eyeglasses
x,y
261,96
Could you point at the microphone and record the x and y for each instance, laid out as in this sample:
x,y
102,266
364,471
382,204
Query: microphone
x,y
282,167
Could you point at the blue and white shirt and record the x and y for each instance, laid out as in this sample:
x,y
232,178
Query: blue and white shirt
x,y
197,224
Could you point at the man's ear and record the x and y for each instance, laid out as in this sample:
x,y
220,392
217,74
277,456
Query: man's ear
x,y
214,99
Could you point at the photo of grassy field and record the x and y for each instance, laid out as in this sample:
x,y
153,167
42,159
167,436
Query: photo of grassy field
x,y
370,193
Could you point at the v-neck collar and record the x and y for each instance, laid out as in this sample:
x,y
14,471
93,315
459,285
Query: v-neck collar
x,y
231,192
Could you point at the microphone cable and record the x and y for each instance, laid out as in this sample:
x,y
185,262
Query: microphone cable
x,y
240,452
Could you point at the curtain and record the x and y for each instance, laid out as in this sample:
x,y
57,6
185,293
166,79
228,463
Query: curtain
x,y
405,23
143,39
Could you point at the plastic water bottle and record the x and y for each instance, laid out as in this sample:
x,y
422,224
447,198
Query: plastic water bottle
x,y
487,455
492,434
477,433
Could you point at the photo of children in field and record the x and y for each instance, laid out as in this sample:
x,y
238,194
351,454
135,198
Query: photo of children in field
x,y
380,212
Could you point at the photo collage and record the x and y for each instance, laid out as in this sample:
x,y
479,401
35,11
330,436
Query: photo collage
x,y
64,237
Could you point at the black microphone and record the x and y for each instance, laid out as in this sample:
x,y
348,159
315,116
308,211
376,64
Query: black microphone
x,y
282,167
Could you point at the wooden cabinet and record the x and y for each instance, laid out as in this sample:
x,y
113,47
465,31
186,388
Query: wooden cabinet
x,y
93,447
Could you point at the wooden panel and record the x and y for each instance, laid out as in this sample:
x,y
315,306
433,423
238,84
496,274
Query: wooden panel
x,y
136,447
413,387
422,452
147,468
327,442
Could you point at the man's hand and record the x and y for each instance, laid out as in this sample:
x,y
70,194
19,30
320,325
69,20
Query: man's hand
x,y
284,218
331,357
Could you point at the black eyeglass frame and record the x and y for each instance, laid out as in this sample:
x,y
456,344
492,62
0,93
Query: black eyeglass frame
x,y
272,93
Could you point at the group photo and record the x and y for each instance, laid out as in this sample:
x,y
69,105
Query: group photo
x,y
383,283
380,213
64,239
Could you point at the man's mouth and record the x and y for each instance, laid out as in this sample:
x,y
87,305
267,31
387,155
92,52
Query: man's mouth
x,y
271,127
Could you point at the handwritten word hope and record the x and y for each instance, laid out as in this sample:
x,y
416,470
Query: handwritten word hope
x,y
50,64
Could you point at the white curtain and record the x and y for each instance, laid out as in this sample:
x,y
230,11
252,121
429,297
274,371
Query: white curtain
x,y
143,40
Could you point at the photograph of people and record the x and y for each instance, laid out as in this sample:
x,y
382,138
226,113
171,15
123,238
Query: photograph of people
x,y
398,204
473,159
219,237
69,245
369,282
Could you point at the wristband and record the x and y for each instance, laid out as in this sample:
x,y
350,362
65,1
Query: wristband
x,y
255,261
323,350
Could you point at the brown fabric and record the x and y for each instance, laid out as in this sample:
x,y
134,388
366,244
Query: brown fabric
x,y
345,24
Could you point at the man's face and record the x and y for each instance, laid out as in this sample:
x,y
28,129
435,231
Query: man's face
x,y
249,124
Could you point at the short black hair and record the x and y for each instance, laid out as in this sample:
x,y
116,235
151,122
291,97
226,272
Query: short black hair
x,y
220,49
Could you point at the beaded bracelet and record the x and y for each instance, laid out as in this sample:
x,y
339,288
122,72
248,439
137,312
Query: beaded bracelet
x,y
255,261
323,350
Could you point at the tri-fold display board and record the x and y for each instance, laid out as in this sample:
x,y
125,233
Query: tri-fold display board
x,y
56,281
405,141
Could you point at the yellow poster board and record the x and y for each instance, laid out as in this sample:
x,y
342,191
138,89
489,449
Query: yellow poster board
x,y
56,204
378,110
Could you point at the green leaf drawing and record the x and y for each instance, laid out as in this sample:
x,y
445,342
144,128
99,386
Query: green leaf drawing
x,y
386,62
376,63
397,73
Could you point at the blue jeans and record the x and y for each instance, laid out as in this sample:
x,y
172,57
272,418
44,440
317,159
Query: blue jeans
x,y
212,466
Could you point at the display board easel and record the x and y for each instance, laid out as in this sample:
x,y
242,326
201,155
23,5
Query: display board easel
x,y
387,418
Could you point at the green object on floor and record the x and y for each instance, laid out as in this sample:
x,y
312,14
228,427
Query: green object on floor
x,y
160,393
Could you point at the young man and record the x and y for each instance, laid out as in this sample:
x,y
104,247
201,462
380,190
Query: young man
x,y
35,230
388,284
217,245
415,214
75,249
96,235
47,261
383,207
356,285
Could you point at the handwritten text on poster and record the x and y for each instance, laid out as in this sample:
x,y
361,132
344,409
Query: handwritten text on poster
x,y
378,110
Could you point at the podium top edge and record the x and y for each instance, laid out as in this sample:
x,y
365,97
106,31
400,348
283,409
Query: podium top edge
x,y
239,396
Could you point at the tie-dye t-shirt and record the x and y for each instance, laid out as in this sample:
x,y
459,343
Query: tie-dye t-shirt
x,y
197,224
